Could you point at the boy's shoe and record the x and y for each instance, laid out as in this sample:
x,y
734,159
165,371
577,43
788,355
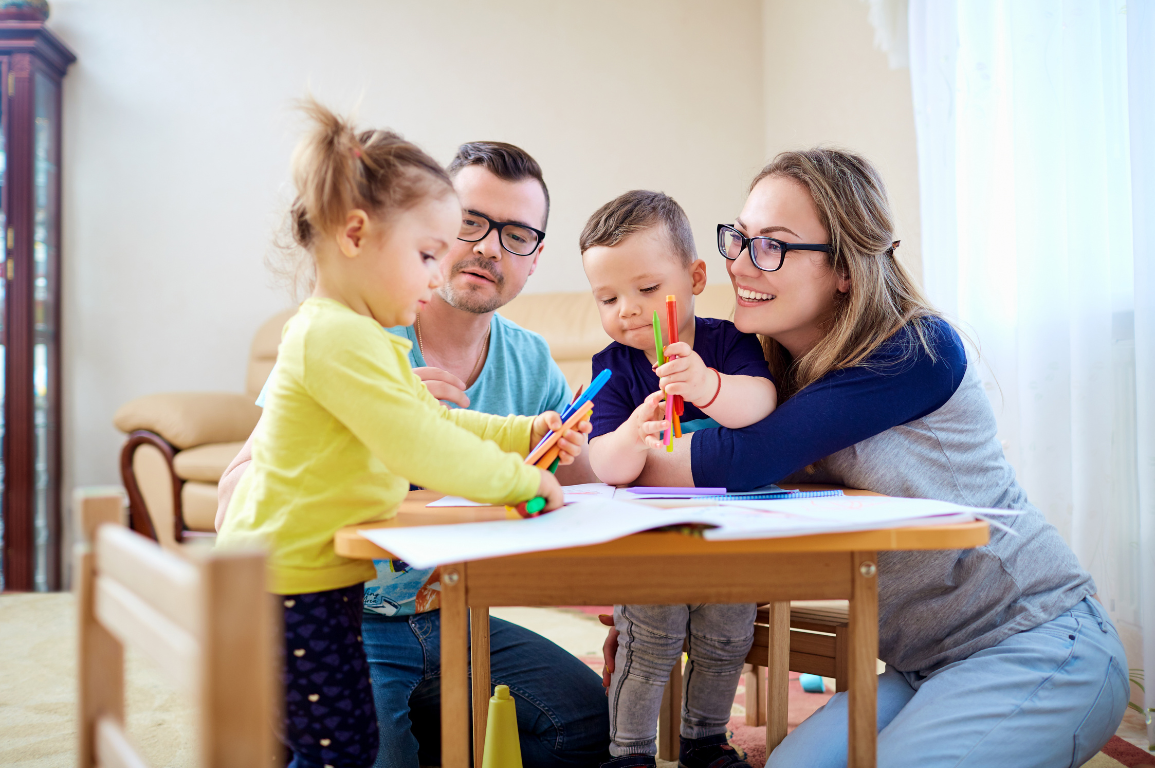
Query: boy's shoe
x,y
710,752
630,761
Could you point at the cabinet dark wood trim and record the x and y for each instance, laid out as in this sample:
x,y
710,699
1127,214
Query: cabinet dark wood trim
x,y
27,48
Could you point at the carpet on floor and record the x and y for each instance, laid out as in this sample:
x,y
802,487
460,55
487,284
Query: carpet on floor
x,y
38,697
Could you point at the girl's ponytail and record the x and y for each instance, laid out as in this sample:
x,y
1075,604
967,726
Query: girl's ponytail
x,y
336,170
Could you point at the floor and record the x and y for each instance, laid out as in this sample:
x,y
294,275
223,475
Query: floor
x,y
38,668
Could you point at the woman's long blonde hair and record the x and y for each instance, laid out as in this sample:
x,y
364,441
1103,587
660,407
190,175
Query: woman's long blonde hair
x,y
852,205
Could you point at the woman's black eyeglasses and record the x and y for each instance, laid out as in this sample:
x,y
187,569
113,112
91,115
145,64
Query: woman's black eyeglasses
x,y
518,239
767,253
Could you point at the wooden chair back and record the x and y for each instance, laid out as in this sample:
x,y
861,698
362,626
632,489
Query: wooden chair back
x,y
205,620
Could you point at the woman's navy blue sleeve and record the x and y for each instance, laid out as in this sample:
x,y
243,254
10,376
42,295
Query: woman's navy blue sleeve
x,y
897,384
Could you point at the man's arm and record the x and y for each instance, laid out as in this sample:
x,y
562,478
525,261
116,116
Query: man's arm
x,y
228,482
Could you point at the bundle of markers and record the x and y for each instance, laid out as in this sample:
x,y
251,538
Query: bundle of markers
x,y
675,407
546,454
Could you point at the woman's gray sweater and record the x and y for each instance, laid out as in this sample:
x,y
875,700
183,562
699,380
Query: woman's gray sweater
x,y
935,607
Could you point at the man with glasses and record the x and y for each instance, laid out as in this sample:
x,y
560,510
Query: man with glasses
x,y
471,357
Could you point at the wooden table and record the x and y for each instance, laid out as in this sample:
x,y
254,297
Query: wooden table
x,y
663,568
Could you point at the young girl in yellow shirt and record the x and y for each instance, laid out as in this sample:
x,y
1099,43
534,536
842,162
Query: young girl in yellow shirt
x,y
347,425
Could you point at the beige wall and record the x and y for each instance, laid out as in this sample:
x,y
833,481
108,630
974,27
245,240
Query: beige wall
x,y
178,130
825,83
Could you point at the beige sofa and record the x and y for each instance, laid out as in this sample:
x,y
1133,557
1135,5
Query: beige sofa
x,y
179,444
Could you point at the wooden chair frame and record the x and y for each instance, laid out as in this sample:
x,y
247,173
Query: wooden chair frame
x,y
205,620
818,645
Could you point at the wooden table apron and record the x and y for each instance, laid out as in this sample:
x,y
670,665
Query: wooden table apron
x,y
663,568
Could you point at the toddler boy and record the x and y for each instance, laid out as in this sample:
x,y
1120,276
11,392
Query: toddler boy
x,y
636,250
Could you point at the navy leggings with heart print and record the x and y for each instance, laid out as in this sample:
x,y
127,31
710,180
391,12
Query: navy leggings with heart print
x,y
330,720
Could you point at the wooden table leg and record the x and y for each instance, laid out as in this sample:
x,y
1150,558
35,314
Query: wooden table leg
x,y
777,675
863,704
479,670
454,668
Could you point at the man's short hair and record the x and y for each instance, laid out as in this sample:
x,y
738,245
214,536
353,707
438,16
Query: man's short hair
x,y
505,161
637,211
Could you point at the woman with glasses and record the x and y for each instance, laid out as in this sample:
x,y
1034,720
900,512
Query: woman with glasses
x,y
995,656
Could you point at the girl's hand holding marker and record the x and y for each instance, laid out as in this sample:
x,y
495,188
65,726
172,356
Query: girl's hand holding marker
x,y
565,450
572,440
561,441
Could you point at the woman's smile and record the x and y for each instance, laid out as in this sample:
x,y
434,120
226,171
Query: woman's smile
x,y
750,298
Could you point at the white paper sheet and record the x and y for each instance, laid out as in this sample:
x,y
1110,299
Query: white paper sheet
x,y
587,492
455,501
603,519
836,514
587,522
573,494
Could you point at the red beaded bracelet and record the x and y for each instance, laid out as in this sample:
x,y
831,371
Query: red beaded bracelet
x,y
716,391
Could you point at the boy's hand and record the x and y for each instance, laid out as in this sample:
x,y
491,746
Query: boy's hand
x,y
550,490
571,443
642,421
687,376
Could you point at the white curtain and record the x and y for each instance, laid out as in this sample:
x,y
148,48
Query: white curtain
x,y
1036,146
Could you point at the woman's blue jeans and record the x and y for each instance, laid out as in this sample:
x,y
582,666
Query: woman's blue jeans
x,y
562,717
1048,697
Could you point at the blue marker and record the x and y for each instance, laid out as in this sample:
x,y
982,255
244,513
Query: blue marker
x,y
588,395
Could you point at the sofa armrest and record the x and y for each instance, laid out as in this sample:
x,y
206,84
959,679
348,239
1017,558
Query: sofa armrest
x,y
188,419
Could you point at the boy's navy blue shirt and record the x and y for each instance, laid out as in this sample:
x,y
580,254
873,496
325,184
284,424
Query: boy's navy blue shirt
x,y
721,347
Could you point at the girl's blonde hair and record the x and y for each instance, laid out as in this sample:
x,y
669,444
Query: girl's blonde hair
x,y
336,169
852,205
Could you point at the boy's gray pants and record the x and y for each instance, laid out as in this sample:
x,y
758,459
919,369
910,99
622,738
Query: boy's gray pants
x,y
649,644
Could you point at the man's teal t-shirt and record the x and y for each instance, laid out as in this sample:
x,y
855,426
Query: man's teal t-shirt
x,y
519,378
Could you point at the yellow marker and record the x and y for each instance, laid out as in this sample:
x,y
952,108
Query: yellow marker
x,y
502,748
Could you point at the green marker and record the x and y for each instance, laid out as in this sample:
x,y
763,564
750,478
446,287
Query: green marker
x,y
658,339
535,505
553,467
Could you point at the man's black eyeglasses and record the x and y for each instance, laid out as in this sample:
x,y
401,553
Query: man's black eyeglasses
x,y
767,253
516,238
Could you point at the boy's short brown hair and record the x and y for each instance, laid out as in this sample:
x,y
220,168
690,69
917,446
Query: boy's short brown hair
x,y
636,211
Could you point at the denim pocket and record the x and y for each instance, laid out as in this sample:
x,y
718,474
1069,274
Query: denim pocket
x,y
1065,627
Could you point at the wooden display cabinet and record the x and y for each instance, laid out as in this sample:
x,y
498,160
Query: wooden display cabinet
x,y
32,66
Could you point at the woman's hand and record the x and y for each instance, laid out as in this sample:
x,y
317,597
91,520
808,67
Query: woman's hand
x,y
550,490
687,376
609,650
572,440
443,385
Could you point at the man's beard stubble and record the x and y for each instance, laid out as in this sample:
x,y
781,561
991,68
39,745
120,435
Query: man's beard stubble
x,y
470,299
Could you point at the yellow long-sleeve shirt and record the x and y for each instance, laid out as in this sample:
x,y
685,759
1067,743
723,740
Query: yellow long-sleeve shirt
x,y
347,426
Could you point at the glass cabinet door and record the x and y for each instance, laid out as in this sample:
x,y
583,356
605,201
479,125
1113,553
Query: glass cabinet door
x,y
4,278
45,261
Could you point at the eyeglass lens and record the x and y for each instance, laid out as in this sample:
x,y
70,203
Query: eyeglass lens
x,y
515,239
765,253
